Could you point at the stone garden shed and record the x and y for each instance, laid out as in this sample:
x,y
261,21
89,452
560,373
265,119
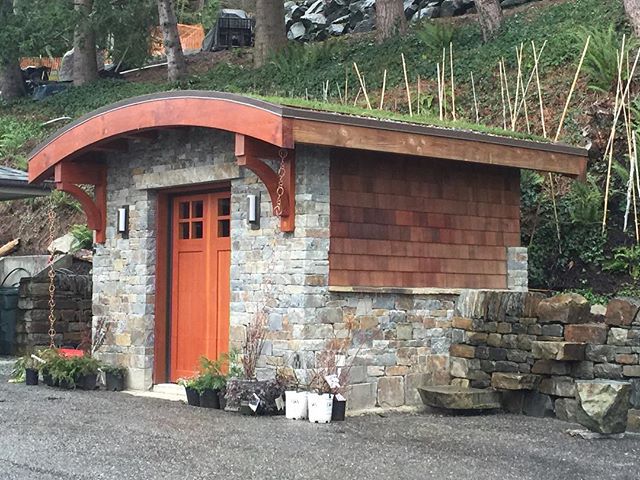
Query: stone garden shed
x,y
209,208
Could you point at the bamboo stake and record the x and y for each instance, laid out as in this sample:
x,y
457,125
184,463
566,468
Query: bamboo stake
x,y
526,108
514,118
440,106
635,197
362,86
453,87
536,69
346,85
418,108
526,91
443,71
339,93
618,109
504,106
355,102
384,86
506,88
573,87
406,83
475,98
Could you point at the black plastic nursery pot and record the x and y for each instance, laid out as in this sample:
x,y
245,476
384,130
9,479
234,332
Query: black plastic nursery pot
x,y
114,383
48,380
193,396
88,382
209,399
222,399
31,376
339,410
67,384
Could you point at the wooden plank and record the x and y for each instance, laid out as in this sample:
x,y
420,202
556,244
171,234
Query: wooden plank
x,y
357,137
158,113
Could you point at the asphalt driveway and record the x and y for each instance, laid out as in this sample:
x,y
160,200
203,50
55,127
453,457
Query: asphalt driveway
x,y
48,433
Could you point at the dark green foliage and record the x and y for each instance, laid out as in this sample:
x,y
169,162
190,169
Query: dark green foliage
x,y
627,260
123,28
187,13
601,61
436,37
82,237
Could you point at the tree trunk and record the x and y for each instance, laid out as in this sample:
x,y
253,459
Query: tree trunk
x,y
390,19
633,12
176,65
490,17
85,65
11,83
271,34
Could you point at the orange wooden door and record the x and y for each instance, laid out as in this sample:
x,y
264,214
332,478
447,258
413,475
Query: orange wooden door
x,y
200,290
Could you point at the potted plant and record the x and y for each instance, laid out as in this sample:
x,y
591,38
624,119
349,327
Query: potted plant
x,y
192,389
63,373
25,369
212,380
49,356
296,397
245,393
85,371
114,377
320,398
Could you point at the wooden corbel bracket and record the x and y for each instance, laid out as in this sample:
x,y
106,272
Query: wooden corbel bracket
x,y
252,153
67,178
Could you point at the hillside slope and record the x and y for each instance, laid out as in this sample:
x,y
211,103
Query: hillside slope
x,y
321,73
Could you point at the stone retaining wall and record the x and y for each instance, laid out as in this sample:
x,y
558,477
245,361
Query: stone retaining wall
x,y
73,311
535,348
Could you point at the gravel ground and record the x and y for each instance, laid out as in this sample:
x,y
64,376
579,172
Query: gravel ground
x,y
48,433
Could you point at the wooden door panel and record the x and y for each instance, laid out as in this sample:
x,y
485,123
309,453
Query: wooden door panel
x,y
190,322
223,300
200,280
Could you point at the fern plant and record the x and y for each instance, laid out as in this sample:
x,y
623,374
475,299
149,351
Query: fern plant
x,y
626,259
82,237
436,37
601,60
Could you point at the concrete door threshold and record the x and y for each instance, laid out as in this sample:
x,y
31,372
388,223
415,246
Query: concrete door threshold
x,y
163,391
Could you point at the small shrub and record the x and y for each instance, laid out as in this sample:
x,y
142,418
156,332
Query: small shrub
x,y
436,37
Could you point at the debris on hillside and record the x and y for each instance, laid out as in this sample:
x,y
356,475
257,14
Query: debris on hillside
x,y
8,248
311,20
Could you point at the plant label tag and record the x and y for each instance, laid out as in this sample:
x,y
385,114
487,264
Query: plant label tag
x,y
254,403
279,403
333,381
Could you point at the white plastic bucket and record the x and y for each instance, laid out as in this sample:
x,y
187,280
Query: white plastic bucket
x,y
320,407
296,405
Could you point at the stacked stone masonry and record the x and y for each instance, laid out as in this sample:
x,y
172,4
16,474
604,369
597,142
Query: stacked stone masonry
x,y
535,349
72,311
401,340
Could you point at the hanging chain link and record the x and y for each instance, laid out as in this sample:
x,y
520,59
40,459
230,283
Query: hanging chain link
x,y
282,171
52,280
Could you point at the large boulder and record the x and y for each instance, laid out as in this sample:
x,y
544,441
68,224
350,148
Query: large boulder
x,y
564,308
66,68
603,405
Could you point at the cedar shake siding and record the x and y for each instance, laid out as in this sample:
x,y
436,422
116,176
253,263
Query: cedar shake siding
x,y
399,221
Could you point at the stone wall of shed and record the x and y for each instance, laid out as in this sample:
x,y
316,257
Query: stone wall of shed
x,y
401,340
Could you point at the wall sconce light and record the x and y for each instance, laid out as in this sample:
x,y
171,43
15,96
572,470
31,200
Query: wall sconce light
x,y
123,221
253,211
